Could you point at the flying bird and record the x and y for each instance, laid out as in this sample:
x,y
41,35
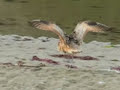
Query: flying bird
x,y
70,43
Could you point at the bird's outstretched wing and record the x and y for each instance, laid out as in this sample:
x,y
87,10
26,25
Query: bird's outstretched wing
x,y
49,26
91,26
88,26
95,26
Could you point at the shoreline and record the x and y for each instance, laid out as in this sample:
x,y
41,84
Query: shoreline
x,y
20,71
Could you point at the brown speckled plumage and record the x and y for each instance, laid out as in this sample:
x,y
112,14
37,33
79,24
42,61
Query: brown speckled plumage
x,y
70,43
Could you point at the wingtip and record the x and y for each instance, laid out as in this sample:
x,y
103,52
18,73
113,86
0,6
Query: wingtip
x,y
45,22
111,28
36,21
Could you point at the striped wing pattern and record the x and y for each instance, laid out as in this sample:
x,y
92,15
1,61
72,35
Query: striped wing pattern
x,y
49,26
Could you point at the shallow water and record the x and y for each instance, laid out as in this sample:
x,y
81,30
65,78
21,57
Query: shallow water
x,y
14,15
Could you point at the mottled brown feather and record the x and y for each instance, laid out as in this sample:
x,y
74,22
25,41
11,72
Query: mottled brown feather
x,y
44,25
95,26
70,43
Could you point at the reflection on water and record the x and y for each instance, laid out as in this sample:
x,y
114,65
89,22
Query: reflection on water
x,y
14,15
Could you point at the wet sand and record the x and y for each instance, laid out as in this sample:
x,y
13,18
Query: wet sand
x,y
18,70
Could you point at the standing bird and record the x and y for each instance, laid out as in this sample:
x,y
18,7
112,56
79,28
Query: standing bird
x,y
70,43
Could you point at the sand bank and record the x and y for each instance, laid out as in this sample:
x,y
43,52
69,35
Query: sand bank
x,y
18,70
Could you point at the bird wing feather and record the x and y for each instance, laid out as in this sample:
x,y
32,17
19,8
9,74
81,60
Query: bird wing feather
x,y
84,27
95,26
48,26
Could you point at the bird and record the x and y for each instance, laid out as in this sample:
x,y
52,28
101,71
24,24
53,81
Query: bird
x,y
70,43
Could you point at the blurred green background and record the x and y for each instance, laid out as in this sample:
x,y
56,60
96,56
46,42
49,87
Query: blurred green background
x,y
15,14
